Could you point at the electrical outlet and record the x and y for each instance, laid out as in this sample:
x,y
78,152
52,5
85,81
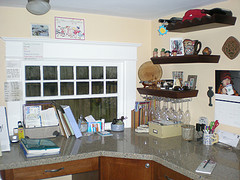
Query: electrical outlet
x,y
203,120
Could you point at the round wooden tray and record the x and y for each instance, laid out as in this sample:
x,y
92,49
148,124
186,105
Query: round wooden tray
x,y
149,71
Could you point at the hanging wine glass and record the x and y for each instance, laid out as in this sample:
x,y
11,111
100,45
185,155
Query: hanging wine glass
x,y
152,110
180,111
158,113
187,114
175,112
164,110
171,110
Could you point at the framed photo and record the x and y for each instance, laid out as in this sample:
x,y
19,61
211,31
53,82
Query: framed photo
x,y
192,81
177,75
227,82
176,44
69,28
40,30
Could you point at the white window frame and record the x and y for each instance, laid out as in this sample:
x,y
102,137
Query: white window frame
x,y
78,52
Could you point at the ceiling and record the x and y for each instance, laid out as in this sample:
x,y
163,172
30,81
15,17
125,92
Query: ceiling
x,y
140,9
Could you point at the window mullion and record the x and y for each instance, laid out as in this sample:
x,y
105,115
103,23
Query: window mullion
x,y
41,80
59,82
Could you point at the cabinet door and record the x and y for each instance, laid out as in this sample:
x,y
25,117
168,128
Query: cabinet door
x,y
52,170
125,169
161,172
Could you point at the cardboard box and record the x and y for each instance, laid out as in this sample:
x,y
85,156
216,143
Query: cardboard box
x,y
155,129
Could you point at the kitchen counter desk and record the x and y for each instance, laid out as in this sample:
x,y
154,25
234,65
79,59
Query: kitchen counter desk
x,y
174,153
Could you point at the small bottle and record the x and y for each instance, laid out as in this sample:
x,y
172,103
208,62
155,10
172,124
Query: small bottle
x,y
103,124
80,120
20,130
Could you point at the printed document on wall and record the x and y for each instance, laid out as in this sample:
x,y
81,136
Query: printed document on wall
x,y
4,134
12,91
227,110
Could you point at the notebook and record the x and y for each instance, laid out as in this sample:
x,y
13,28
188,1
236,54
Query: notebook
x,y
206,167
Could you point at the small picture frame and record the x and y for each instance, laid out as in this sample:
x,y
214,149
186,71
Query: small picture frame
x,y
40,30
192,81
176,44
177,75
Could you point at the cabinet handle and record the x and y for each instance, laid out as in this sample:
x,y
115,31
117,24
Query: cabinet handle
x,y
147,165
167,178
55,170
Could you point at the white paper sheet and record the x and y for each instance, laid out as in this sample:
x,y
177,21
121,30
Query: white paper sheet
x,y
4,135
90,118
227,110
12,91
228,138
49,117
33,50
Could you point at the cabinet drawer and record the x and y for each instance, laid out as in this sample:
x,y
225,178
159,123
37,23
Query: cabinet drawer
x,y
52,170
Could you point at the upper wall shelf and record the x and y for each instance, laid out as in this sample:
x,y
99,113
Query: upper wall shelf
x,y
206,22
168,93
186,59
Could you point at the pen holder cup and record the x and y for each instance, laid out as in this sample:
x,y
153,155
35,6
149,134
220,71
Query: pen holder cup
x,y
210,139
188,132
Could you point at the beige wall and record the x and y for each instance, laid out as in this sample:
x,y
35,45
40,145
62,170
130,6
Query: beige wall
x,y
15,22
213,38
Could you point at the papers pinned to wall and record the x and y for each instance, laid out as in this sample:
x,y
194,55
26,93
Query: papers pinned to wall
x,y
12,91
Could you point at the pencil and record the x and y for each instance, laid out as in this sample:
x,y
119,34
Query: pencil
x,y
206,163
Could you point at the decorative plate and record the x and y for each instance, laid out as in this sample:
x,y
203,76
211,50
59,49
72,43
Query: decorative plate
x,y
149,71
231,47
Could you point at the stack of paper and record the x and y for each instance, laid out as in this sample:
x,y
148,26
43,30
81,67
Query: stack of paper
x,y
38,147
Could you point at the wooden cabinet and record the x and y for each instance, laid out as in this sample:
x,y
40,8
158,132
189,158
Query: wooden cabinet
x,y
131,169
110,168
52,170
161,172
125,169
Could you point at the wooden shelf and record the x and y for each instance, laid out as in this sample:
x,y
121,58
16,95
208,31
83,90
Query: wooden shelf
x,y
186,59
168,93
206,22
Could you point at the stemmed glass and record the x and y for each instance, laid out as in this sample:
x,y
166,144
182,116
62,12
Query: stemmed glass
x,y
171,110
175,113
164,110
180,111
187,114
152,110
158,113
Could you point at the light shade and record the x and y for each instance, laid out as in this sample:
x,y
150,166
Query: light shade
x,y
38,7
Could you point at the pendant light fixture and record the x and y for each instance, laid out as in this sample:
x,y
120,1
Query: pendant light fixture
x,y
38,7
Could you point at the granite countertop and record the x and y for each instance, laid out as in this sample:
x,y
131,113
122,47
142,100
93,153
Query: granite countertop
x,y
175,153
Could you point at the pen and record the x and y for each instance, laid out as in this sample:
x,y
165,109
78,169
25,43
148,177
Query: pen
x,y
206,163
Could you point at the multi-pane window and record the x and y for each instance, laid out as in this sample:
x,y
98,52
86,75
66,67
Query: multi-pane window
x,y
88,89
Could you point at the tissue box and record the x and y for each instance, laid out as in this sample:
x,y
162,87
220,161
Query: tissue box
x,y
155,129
